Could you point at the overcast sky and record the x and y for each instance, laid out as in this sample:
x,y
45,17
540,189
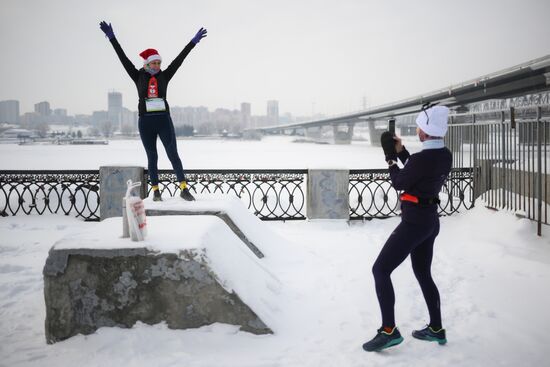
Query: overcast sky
x,y
321,56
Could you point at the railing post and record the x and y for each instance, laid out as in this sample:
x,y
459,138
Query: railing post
x,y
514,153
539,171
503,152
112,183
474,160
328,194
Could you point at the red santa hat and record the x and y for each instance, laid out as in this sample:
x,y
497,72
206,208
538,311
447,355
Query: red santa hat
x,y
149,55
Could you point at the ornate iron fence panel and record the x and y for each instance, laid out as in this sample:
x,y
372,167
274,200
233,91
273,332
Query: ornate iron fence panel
x,y
270,194
39,192
458,191
371,194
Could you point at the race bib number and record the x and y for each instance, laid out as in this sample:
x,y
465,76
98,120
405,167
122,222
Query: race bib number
x,y
155,105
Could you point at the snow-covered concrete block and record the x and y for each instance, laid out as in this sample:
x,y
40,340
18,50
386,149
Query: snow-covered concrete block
x,y
228,210
190,271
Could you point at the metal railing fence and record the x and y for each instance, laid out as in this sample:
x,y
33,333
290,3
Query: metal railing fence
x,y
371,194
507,152
73,192
269,194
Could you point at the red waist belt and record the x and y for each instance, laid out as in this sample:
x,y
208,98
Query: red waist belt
x,y
416,200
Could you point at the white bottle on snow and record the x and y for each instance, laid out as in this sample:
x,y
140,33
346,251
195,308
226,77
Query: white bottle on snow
x,y
135,213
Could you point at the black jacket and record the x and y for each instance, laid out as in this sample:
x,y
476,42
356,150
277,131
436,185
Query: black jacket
x,y
141,77
423,176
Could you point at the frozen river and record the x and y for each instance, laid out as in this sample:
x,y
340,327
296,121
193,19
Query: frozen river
x,y
274,152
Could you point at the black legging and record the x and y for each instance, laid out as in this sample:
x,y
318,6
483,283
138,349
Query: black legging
x,y
416,240
151,126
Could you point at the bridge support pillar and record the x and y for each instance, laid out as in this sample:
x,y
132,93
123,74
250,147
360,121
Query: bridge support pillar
x,y
313,132
343,135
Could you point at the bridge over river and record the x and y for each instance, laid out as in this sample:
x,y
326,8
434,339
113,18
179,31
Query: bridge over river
x,y
524,85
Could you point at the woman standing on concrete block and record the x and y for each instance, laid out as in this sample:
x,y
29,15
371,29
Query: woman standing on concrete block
x,y
154,111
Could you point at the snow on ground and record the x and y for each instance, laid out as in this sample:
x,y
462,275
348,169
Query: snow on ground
x,y
491,268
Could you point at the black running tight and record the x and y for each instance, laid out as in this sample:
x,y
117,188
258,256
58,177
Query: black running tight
x,y
159,125
416,240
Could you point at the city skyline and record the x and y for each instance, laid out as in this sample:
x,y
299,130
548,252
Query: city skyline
x,y
45,108
117,118
68,112
313,57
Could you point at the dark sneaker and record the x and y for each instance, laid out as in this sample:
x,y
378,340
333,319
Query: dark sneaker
x,y
185,194
383,340
156,195
431,335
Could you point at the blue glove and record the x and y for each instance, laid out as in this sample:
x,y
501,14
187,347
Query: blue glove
x,y
107,29
200,35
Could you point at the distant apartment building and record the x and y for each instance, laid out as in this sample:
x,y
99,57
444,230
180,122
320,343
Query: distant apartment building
x,y
225,120
83,119
258,121
272,112
60,112
183,115
99,117
193,116
202,115
43,108
9,111
129,120
30,119
246,115
225,116
60,116
286,118
114,110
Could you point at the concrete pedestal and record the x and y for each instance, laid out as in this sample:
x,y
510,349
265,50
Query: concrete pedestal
x,y
112,181
88,289
327,194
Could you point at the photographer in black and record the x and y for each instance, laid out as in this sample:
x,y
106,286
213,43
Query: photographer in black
x,y
421,178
